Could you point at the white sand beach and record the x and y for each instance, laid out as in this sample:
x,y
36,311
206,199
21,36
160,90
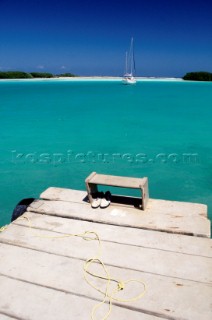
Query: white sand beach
x,y
95,78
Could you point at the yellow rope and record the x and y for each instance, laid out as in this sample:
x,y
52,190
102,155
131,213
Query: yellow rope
x,y
3,228
109,295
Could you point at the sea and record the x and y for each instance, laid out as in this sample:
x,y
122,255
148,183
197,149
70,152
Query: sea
x,y
56,132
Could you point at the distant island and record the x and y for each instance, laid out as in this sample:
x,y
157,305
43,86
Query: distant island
x,y
198,76
192,76
31,75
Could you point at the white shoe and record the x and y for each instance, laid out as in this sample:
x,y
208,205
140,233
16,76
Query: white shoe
x,y
105,202
97,197
96,203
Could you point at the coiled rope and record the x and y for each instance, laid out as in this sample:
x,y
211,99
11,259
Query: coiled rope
x,y
3,228
109,294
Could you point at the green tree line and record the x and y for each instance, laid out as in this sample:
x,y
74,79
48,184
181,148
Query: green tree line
x,y
198,76
31,75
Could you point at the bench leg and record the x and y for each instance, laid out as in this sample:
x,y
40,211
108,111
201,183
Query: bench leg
x,y
91,188
145,195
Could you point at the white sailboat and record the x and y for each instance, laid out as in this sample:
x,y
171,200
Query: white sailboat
x,y
128,77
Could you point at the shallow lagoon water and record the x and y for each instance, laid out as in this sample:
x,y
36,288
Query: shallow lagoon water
x,y
54,133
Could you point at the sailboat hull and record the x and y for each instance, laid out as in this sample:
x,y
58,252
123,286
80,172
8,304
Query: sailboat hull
x,y
129,80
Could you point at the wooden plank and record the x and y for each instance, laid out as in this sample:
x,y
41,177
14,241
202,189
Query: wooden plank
x,y
136,237
192,209
159,215
5,317
117,181
55,264
64,194
66,275
154,261
28,301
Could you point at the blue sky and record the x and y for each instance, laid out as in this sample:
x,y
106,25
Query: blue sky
x,y
91,37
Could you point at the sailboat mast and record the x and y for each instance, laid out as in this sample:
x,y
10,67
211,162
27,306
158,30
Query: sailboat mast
x,y
130,66
131,57
126,63
134,69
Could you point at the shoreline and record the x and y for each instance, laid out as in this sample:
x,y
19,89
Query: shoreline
x,y
95,78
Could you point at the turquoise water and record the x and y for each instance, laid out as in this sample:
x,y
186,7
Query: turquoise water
x,y
54,133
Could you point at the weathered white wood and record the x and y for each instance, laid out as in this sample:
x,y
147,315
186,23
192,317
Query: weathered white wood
x,y
65,274
42,275
137,237
28,301
161,206
117,181
64,194
154,261
5,317
169,217
95,179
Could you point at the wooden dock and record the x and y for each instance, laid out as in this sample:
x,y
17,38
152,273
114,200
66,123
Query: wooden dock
x,y
167,246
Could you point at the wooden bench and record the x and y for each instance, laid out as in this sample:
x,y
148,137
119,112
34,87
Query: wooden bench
x,y
94,179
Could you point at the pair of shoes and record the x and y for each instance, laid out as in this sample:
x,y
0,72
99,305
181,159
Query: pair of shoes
x,y
106,200
101,200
